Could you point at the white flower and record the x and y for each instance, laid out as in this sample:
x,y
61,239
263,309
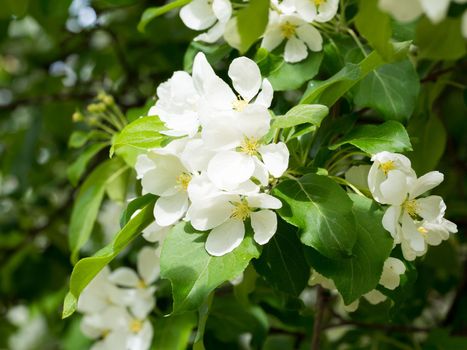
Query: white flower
x,y
417,222
32,329
409,10
167,172
317,10
204,14
225,214
109,219
388,176
298,33
140,291
392,269
101,293
155,233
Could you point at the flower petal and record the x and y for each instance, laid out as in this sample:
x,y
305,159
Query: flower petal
x,y
198,15
212,212
261,172
264,98
155,233
431,208
143,165
391,219
425,183
311,36
168,210
264,201
394,188
327,10
401,10
225,238
222,9
375,297
295,50
124,276
264,224
148,265
275,158
306,9
228,169
213,34
435,10
246,77
272,38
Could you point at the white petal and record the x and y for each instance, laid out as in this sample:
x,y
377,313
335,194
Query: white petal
x,y
253,122
228,169
198,15
246,77
426,183
201,72
436,10
148,265
306,9
222,9
327,10
295,50
143,165
225,238
155,233
264,201
391,219
124,276
431,208
200,188
311,36
264,98
213,34
393,268
375,297
168,210
218,94
394,188
401,10
264,224
272,38
275,158
411,234
211,213
261,172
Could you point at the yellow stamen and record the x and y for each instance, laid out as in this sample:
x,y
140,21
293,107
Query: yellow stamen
x,y
288,29
183,180
141,284
105,333
411,208
136,325
423,231
319,2
249,146
242,211
387,166
239,104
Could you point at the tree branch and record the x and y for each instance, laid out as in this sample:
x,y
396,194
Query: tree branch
x,y
319,313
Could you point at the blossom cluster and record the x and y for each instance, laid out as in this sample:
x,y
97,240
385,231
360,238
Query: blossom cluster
x,y
216,170
116,305
291,21
413,221
408,11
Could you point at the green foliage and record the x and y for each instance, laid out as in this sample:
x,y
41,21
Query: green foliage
x,y
153,12
301,114
194,273
323,212
360,273
173,332
390,136
76,170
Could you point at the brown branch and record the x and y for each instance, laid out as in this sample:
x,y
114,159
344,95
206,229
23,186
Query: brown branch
x,y
318,322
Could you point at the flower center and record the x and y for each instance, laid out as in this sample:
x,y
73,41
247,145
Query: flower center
x,y
136,325
423,231
141,284
288,29
319,2
239,104
387,166
183,180
411,208
242,211
249,146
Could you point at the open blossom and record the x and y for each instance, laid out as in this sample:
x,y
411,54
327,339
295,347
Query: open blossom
x,y
317,10
204,14
299,35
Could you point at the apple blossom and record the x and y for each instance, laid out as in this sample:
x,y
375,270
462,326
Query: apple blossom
x,y
317,10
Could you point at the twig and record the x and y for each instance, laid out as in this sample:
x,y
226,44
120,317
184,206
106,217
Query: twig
x,y
317,325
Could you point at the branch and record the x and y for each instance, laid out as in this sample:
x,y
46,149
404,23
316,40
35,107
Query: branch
x,y
317,325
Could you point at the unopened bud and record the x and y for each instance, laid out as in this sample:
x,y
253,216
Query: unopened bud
x,y
77,117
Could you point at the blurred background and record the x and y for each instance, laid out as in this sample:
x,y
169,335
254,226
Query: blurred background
x,y
55,57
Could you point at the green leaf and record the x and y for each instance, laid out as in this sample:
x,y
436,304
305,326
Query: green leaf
x,y
248,25
88,202
282,263
79,138
194,273
134,113
392,90
441,41
134,205
153,12
291,76
137,137
323,212
390,136
76,170
87,268
117,188
203,314
360,273
173,332
301,114
214,53
379,38
429,142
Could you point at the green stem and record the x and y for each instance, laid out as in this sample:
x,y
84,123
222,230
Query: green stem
x,y
346,183
357,41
